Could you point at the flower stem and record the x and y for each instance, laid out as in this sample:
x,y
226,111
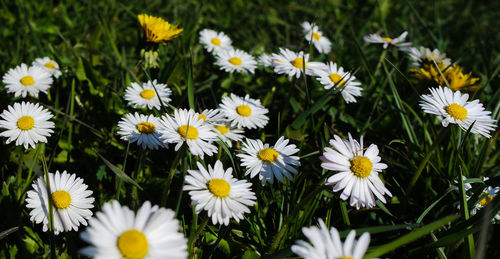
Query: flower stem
x,y
380,61
180,154
291,217
194,235
51,214
425,161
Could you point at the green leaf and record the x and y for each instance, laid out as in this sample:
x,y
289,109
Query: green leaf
x,y
250,254
410,237
434,204
7,232
122,175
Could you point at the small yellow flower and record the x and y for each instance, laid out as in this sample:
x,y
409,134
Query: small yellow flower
x,y
447,76
158,30
461,81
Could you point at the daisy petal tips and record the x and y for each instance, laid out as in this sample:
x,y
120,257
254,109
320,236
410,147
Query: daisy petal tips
x,y
118,232
326,244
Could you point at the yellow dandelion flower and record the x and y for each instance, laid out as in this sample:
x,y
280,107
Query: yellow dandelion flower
x,y
460,81
158,30
447,76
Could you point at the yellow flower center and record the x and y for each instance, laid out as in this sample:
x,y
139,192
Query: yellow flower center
x,y
61,199
202,117
336,79
219,187
298,63
222,129
25,123
146,127
361,166
235,61
457,111
244,110
486,199
316,36
133,244
27,80
50,65
387,39
268,155
188,132
148,93
215,41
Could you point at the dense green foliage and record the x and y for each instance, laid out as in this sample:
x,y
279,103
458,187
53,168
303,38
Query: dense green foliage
x,y
98,43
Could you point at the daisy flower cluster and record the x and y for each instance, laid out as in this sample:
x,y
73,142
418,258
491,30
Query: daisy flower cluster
x,y
28,123
26,80
286,61
228,58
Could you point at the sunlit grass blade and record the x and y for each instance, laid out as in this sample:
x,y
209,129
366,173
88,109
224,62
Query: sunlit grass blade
x,y
414,235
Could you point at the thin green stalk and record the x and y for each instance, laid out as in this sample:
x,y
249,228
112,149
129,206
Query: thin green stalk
x,y
136,174
292,216
380,61
180,154
51,214
345,215
465,213
20,174
425,161
120,180
194,235
71,112
28,180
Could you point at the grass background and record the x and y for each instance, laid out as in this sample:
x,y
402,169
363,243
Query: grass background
x,y
98,44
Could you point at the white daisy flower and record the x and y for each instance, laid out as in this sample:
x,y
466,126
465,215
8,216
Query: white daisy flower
x,y
292,63
26,123
217,192
336,77
454,107
212,116
398,42
269,162
48,65
320,42
141,96
215,41
236,60
488,195
324,244
227,134
118,232
265,60
358,170
23,80
185,126
71,202
244,112
423,55
143,129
